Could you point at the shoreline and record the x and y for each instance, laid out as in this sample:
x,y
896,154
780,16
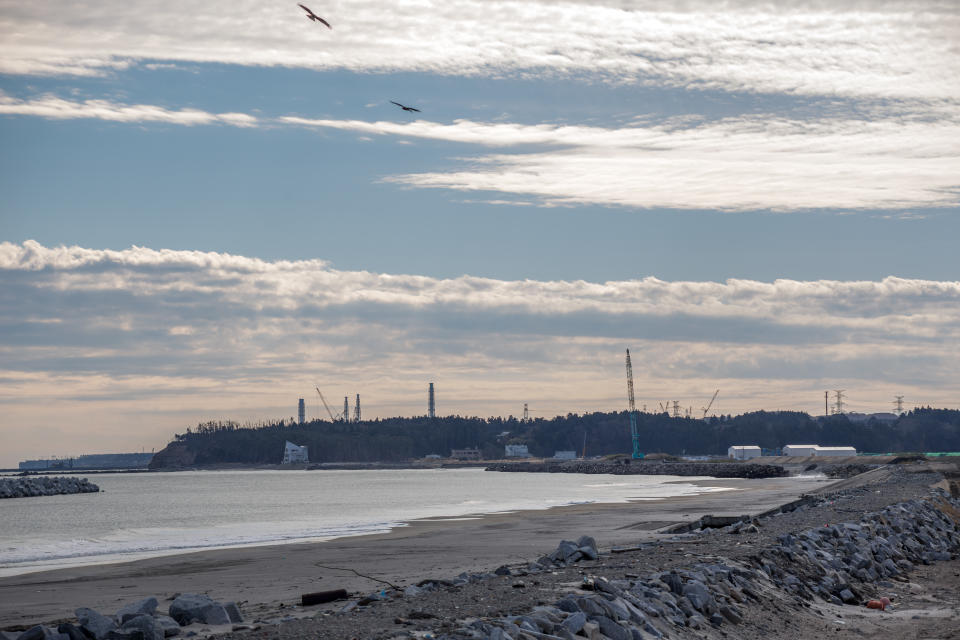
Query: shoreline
x,y
265,576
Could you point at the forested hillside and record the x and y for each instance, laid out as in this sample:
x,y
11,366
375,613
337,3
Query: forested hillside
x,y
400,439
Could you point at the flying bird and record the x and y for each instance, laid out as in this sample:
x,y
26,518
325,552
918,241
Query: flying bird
x,y
405,108
314,17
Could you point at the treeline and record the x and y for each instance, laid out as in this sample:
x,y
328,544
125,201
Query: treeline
x,y
400,439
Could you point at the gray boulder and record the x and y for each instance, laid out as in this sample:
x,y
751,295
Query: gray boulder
x,y
71,632
146,624
233,612
94,623
40,632
612,630
146,607
192,607
169,625
574,622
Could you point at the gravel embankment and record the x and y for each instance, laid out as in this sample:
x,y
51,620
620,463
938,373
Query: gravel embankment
x,y
800,574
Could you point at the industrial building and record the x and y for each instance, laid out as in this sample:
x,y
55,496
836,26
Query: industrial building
x,y
564,455
465,454
744,452
516,451
293,454
814,450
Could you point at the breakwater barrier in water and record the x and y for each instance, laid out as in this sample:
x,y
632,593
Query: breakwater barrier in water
x,y
45,486
712,469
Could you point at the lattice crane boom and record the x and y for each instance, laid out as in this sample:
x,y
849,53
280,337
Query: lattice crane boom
x,y
634,434
325,405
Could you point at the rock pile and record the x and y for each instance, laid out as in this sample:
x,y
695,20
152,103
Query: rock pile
x,y
712,469
44,486
136,621
839,564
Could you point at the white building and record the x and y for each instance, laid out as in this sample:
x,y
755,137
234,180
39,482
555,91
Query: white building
x,y
517,451
801,450
836,451
293,453
565,455
744,452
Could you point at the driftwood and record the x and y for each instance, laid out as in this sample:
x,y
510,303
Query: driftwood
x,y
320,597
359,574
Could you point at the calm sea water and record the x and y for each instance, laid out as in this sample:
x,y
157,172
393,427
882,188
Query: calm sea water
x,y
151,514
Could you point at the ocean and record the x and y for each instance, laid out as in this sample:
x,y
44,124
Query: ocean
x,y
139,515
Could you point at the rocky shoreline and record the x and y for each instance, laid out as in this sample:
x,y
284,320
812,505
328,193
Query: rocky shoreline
x,y
712,469
767,578
29,487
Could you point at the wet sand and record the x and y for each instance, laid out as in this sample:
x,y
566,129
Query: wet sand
x,y
263,577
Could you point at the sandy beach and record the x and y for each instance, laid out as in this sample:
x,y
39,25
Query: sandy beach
x,y
264,577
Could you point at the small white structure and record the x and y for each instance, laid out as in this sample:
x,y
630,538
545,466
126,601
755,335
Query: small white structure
x,y
744,452
801,450
836,451
516,451
565,455
293,453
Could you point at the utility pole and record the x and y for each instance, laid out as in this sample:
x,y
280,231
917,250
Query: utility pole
x,y
826,403
839,407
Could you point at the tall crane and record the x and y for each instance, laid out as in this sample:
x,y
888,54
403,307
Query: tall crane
x,y
325,405
634,435
710,404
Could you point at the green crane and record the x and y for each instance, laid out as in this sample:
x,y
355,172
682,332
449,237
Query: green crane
x,y
633,410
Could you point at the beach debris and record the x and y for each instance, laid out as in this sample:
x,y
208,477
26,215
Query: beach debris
x,y
355,572
319,597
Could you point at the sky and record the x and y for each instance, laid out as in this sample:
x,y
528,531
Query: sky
x,y
209,210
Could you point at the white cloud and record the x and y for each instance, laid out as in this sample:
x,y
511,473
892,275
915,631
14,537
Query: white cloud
x,y
756,162
735,164
103,339
53,107
877,50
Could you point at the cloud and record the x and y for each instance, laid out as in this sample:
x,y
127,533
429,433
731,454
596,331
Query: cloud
x,y
752,162
733,164
55,108
875,50
103,340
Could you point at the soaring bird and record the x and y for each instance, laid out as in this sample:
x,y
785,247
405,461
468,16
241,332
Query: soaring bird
x,y
405,108
314,17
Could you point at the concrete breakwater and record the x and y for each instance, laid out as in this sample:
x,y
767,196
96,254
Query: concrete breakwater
x,y
715,470
45,486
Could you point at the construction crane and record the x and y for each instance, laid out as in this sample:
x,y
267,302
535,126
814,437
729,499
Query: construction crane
x,y
325,405
710,404
634,435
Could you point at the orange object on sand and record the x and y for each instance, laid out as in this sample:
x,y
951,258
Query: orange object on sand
x,y
879,604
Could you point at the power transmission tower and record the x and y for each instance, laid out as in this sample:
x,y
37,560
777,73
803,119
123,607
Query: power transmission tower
x,y
634,435
346,408
899,403
676,408
838,408
526,412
